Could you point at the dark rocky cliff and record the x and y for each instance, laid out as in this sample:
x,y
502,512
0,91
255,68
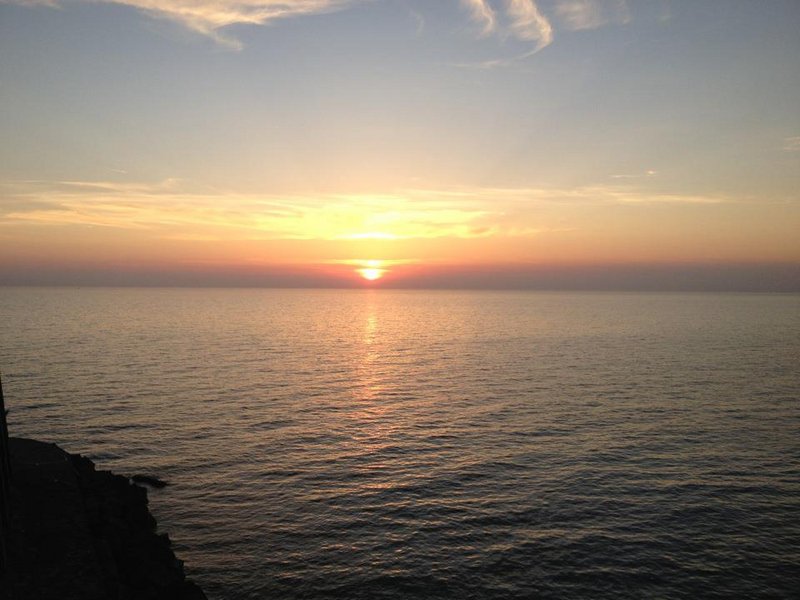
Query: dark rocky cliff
x,y
81,533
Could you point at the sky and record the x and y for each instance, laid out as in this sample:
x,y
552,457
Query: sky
x,y
550,144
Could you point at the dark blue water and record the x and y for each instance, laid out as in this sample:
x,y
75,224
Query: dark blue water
x,y
346,444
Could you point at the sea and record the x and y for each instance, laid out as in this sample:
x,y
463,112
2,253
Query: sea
x,y
376,444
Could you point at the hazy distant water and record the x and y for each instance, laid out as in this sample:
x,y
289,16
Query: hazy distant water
x,y
434,444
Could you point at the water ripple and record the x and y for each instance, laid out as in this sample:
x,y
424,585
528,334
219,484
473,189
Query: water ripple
x,y
434,445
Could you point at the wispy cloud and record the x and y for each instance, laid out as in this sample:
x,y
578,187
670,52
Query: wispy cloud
x,y
576,15
209,17
170,210
792,144
419,20
525,21
648,173
519,19
483,14
528,23
600,194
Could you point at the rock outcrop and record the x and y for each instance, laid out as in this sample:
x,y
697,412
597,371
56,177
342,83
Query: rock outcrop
x,y
82,533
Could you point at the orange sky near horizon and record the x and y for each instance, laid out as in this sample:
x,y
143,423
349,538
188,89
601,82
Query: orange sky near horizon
x,y
413,231
69,247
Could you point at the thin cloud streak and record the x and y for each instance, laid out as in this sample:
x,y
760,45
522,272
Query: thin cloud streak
x,y
792,144
170,211
648,173
577,15
419,20
162,208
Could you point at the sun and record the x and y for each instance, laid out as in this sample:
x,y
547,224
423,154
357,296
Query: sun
x,y
371,274
371,270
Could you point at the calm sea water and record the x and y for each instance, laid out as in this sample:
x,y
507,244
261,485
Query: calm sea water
x,y
375,444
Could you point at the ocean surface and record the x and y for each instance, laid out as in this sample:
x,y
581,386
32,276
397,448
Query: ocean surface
x,y
387,444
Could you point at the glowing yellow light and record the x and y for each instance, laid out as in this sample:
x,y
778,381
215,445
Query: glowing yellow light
x,y
371,269
371,274
372,235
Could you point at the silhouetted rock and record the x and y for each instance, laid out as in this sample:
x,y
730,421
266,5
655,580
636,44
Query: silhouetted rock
x,y
80,533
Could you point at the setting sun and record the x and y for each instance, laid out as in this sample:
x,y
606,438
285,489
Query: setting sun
x,y
371,274
371,269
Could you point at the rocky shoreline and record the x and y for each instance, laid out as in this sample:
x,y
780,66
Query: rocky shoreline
x,y
82,533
